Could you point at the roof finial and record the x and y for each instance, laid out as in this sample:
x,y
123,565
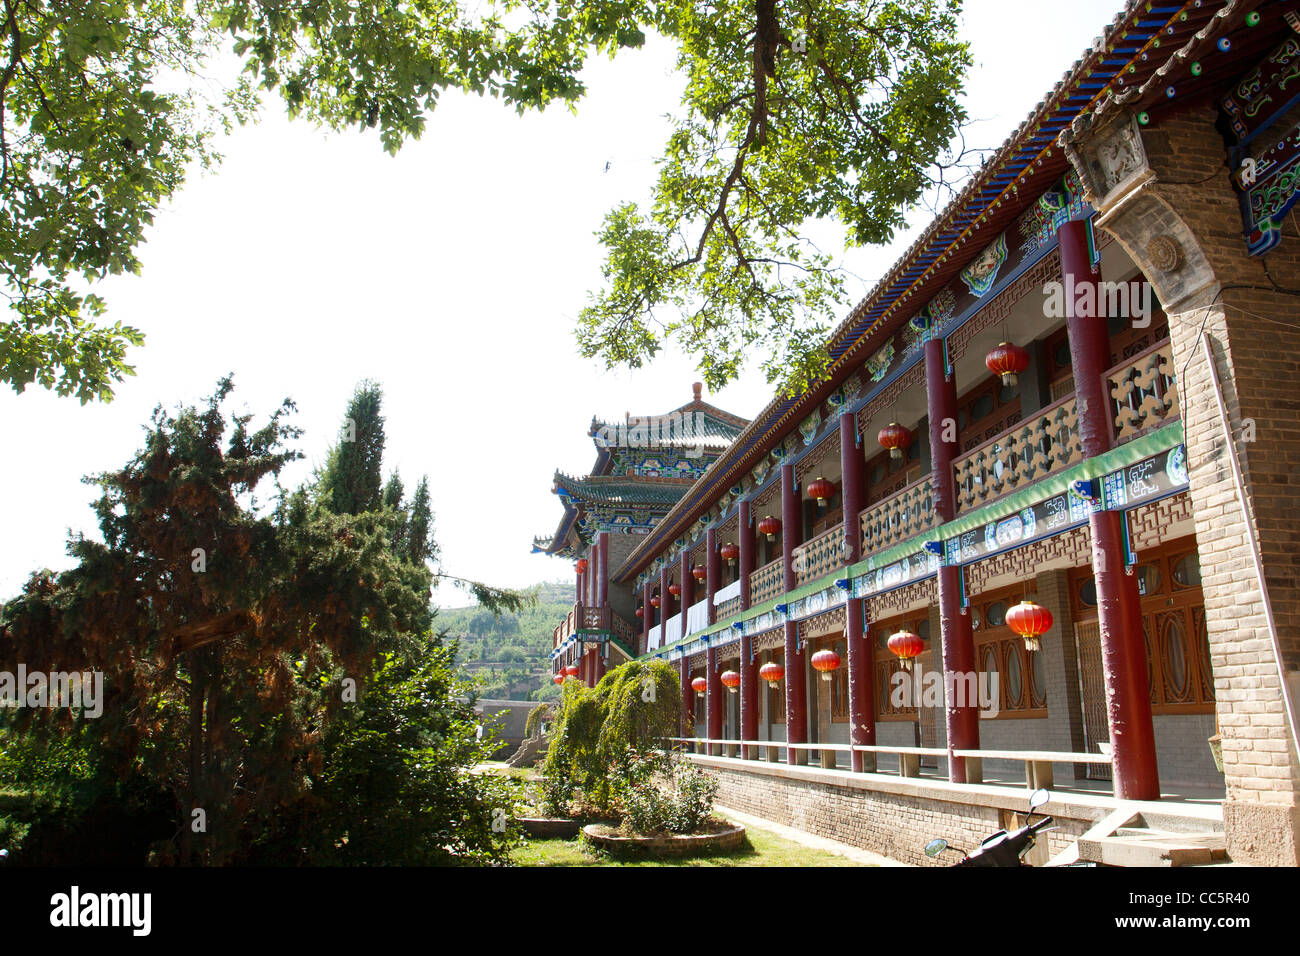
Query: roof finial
x,y
697,388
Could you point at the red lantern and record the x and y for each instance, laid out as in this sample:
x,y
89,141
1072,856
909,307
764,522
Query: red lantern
x,y
700,572
559,678
905,645
827,662
674,589
640,611
730,680
1007,360
896,438
582,565
729,552
699,685
821,489
772,672
1031,621
769,526
654,600
571,671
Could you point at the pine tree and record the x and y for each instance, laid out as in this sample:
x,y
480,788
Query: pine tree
x,y
421,547
353,476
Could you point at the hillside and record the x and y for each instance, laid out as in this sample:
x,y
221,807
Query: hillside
x,y
509,655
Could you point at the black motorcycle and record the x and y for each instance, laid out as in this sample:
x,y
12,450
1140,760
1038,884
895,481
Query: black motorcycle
x,y
1002,848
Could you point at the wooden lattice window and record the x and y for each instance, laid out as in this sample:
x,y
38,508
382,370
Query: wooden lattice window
x,y
1173,624
1022,683
886,665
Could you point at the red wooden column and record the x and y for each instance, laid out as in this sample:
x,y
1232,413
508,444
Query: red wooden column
x,y
713,571
796,675
862,698
602,572
745,530
688,585
688,697
713,695
955,628
665,604
647,616
1119,615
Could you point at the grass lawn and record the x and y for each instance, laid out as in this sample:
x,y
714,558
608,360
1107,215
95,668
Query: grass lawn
x,y
761,848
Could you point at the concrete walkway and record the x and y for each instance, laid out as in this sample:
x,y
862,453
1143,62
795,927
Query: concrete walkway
x,y
857,855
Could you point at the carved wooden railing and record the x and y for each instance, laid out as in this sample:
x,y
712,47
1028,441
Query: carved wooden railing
x,y
900,516
564,630
727,608
1044,442
765,583
821,555
1143,391
593,618
623,632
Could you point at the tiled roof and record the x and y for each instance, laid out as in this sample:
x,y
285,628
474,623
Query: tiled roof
x,y
625,491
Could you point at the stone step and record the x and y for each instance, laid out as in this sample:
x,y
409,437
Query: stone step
x,y
1141,846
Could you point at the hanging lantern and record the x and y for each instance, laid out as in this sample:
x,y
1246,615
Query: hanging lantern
x,y
1031,621
827,662
640,611
674,589
654,600
769,526
905,645
699,685
729,552
821,489
581,565
571,671
699,572
559,678
730,680
896,438
772,672
1007,360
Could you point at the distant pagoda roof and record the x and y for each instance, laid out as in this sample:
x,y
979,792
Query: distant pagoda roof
x,y
644,465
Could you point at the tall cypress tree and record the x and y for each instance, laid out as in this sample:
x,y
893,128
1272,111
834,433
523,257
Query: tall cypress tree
x,y
419,530
352,480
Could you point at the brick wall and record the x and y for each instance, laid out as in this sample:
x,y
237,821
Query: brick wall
x,y
1249,308
895,818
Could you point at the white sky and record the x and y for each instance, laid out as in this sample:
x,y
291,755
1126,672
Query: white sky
x,y
452,274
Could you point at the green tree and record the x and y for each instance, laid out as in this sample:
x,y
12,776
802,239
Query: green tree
x,y
226,635
352,479
396,786
793,110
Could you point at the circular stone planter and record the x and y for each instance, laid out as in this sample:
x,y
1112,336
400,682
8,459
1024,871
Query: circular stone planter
x,y
720,838
550,828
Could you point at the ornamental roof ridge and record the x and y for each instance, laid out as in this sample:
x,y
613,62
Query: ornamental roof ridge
x,y
898,285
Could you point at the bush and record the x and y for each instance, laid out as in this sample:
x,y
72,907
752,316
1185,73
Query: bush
x,y
602,733
669,797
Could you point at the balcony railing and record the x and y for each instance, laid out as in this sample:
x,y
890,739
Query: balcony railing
x,y
1144,392
765,583
900,516
820,556
1045,442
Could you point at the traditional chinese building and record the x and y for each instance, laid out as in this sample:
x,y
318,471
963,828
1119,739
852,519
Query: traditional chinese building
x,y
1056,446
643,467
